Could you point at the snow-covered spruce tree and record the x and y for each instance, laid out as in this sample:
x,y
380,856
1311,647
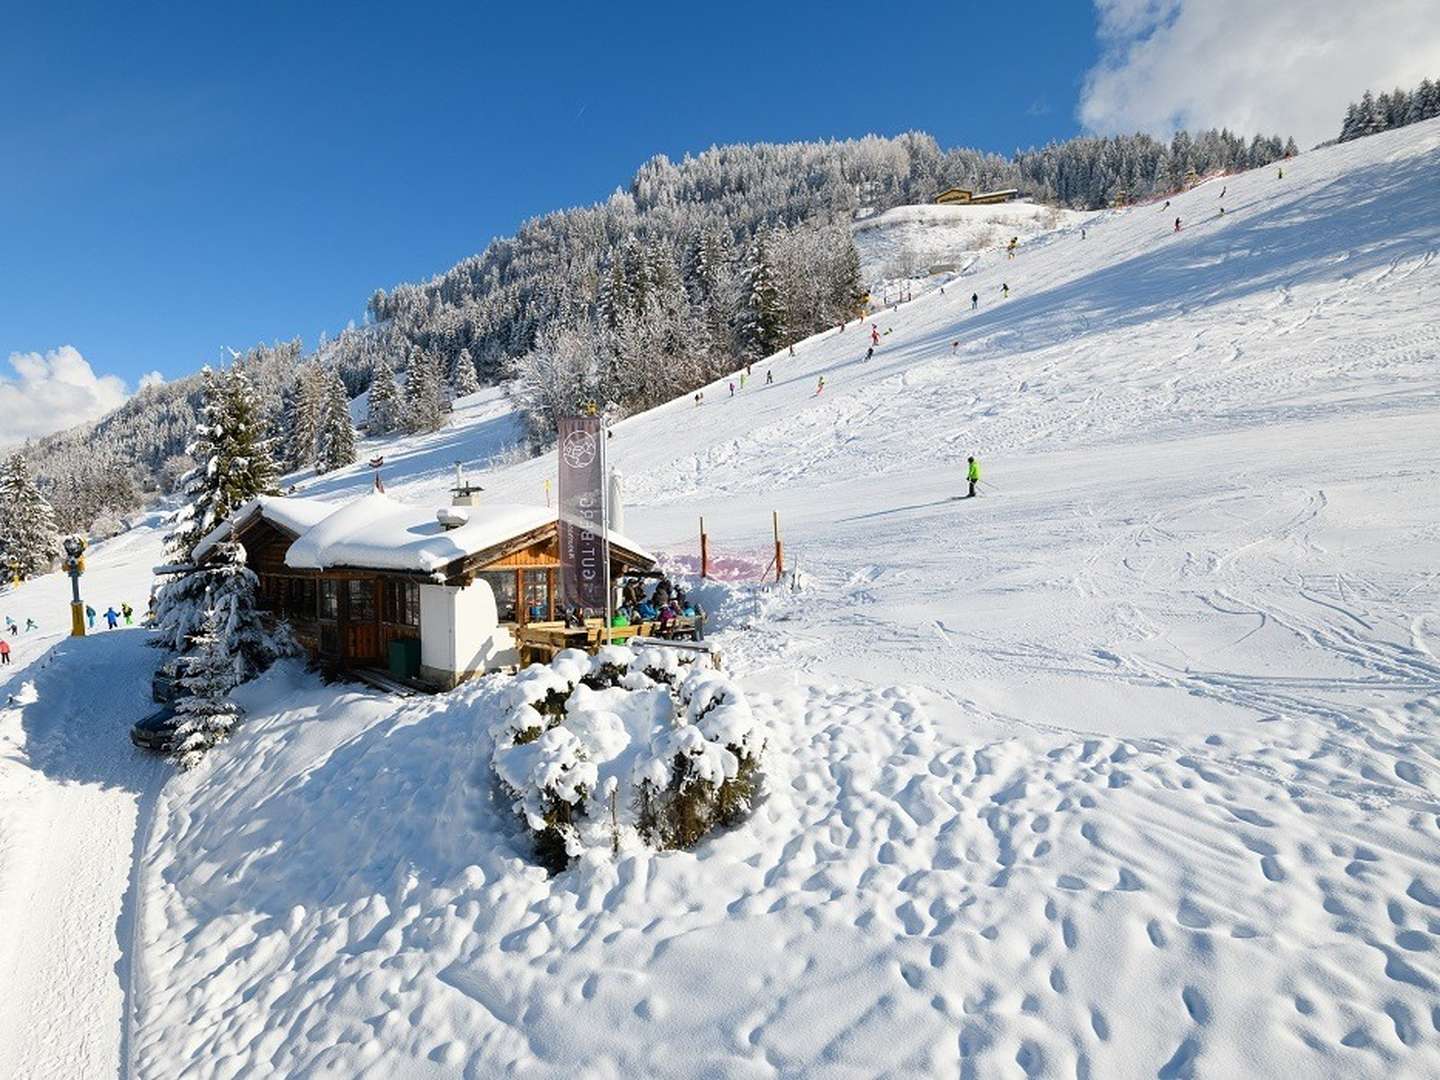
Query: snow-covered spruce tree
x,y
384,408
233,466
303,417
234,459
762,317
337,432
29,541
847,284
463,380
425,403
204,711
226,586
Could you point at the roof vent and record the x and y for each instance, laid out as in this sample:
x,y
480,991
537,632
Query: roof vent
x,y
451,517
465,493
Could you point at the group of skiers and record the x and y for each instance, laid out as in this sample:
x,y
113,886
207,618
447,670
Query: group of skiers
x,y
13,628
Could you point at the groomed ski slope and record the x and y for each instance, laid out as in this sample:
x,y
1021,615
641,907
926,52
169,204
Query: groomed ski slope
x,y
1129,767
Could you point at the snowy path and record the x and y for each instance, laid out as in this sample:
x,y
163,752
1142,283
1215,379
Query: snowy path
x,y
74,800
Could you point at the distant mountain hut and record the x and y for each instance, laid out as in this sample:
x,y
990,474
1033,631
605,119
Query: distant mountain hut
x,y
965,197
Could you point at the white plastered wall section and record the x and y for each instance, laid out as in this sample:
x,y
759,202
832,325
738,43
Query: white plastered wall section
x,y
460,633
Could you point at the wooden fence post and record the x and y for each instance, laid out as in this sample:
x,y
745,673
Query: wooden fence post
x,y
704,551
779,550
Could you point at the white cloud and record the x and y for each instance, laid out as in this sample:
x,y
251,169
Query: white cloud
x,y
151,378
53,391
1288,67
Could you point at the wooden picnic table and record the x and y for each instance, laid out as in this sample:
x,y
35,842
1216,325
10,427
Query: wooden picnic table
x,y
540,641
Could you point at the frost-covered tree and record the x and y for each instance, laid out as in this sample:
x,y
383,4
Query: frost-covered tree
x,y
1396,109
425,400
762,318
29,540
384,402
225,585
337,431
233,455
463,380
205,713
303,415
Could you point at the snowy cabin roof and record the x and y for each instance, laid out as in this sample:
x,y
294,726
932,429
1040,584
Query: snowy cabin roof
x,y
376,532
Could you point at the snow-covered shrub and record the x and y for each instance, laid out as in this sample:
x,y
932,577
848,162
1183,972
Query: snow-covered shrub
x,y
549,778
628,747
609,666
703,772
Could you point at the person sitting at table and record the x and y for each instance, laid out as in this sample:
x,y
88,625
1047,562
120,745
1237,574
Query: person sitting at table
x,y
647,610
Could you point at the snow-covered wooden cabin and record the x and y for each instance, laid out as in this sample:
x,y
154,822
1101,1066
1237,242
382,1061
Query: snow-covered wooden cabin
x,y
352,577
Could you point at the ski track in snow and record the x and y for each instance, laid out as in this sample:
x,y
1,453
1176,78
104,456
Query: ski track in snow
x,y
1130,767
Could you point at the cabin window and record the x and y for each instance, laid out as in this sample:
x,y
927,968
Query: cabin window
x,y
360,592
301,598
537,595
402,603
329,600
502,584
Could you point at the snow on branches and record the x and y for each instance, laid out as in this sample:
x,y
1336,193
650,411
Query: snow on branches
x,y
625,748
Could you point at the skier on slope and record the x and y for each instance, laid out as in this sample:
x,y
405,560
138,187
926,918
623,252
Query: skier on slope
x,y
112,617
820,386
4,651
972,474
90,616
1177,224
732,387
10,625
869,353
1005,290
874,334
769,377
974,300
31,624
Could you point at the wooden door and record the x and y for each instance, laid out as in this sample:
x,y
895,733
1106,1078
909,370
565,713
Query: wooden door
x,y
360,621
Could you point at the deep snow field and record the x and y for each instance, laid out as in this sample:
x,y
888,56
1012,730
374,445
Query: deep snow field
x,y
1128,768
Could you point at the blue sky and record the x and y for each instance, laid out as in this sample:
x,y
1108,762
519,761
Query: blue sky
x,y
178,179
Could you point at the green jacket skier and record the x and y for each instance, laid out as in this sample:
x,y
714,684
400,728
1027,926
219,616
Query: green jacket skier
x,y
972,474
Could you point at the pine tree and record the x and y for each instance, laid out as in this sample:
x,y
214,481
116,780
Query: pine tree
x,y
463,381
307,402
762,319
847,290
233,455
424,404
204,711
384,414
337,432
29,542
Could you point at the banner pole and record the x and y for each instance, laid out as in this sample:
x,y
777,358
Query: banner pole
x,y
605,527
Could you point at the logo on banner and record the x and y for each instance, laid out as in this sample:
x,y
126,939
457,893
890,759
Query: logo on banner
x,y
579,449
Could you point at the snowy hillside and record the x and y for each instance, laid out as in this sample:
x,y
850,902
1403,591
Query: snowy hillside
x,y
908,240
1129,767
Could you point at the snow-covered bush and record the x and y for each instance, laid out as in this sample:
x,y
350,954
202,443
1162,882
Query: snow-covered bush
x,y
628,747
703,772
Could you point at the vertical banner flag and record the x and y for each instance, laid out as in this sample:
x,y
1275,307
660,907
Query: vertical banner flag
x,y
584,566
